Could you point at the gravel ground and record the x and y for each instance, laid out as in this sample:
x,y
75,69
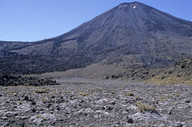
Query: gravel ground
x,y
80,102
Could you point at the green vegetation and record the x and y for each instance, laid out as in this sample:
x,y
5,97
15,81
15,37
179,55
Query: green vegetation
x,y
17,80
41,64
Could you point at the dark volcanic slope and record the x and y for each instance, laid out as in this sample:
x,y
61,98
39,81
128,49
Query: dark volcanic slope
x,y
131,33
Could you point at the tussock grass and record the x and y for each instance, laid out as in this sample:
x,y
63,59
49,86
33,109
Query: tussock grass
x,y
41,91
129,94
84,94
170,80
145,107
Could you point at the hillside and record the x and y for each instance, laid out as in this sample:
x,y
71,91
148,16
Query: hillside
x,y
132,34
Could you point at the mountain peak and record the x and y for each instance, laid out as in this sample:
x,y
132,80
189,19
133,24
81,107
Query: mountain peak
x,y
131,5
133,34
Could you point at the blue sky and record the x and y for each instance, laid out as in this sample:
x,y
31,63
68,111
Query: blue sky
x,y
32,20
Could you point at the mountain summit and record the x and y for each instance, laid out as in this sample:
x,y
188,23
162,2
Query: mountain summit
x,y
131,34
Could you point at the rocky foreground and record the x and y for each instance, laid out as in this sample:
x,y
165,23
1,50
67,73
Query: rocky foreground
x,y
96,103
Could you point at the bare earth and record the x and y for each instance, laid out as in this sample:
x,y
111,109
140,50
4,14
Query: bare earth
x,y
80,102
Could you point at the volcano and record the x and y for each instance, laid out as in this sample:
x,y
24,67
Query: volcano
x,y
131,34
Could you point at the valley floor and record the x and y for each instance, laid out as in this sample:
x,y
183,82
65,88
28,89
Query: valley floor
x,y
80,102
